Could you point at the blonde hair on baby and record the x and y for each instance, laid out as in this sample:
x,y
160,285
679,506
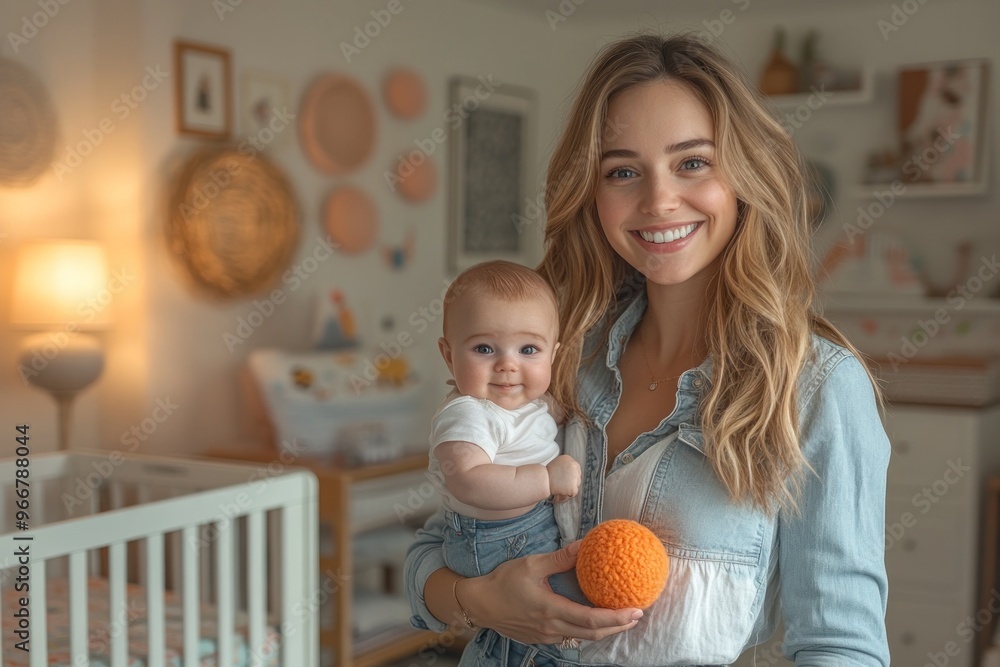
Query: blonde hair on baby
x,y
501,280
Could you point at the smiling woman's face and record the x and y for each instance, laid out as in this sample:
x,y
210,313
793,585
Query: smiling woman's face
x,y
662,201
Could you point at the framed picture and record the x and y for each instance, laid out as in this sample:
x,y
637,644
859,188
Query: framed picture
x,y
265,102
943,122
203,90
492,188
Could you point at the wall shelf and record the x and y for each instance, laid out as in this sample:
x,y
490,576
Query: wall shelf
x,y
903,305
920,190
863,95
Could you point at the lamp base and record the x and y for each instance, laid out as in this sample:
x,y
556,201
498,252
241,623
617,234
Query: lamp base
x,y
62,364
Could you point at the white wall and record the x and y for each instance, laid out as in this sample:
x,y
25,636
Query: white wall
x,y
168,341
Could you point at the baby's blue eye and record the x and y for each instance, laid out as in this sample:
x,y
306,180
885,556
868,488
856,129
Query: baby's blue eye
x,y
529,349
483,349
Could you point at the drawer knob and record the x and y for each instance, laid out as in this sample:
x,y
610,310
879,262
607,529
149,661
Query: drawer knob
x,y
908,639
909,544
902,447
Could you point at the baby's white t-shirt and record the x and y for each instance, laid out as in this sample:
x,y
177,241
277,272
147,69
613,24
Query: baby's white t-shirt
x,y
518,437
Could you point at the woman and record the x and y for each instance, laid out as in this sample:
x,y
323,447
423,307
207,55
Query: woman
x,y
707,399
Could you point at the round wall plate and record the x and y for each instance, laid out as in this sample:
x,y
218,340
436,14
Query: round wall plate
x,y
351,220
337,124
404,93
417,183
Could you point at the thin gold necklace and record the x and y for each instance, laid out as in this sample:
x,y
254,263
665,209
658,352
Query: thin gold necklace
x,y
653,380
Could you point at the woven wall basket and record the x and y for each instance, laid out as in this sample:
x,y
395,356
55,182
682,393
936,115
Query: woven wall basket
x,y
27,125
233,223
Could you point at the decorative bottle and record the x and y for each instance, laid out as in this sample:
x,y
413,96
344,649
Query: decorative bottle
x,y
780,77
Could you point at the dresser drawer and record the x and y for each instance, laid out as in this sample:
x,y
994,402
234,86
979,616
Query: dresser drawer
x,y
928,446
930,551
916,630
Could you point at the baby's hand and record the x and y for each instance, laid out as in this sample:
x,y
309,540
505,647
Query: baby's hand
x,y
564,477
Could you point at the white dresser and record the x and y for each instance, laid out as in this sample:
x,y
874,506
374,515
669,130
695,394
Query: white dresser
x,y
942,457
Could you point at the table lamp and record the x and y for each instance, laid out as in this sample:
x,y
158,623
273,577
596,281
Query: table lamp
x,y
60,287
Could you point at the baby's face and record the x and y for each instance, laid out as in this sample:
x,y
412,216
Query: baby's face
x,y
501,351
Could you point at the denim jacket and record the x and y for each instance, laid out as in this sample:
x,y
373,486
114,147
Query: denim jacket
x,y
734,570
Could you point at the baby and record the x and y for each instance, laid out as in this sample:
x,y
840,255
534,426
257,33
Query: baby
x,y
492,442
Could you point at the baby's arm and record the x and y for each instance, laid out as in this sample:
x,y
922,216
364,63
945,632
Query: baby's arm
x,y
474,480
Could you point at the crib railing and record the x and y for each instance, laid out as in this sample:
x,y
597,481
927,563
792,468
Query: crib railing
x,y
240,538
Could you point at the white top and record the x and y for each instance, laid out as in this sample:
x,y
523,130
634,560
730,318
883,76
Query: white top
x,y
698,592
626,488
518,437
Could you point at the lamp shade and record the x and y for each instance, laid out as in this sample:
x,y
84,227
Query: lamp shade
x,y
59,282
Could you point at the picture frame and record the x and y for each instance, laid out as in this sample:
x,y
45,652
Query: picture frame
x,y
493,204
264,96
203,90
943,123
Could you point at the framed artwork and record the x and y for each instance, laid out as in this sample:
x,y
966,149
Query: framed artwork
x,y
492,213
203,90
943,122
265,99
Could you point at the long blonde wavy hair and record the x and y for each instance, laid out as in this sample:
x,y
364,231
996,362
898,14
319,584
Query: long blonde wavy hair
x,y
761,314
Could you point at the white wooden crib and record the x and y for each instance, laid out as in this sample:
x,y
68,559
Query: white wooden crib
x,y
221,541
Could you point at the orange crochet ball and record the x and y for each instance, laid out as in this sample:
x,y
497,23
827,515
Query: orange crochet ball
x,y
622,564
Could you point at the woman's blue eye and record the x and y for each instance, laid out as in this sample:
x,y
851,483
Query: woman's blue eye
x,y
699,162
529,349
483,349
621,172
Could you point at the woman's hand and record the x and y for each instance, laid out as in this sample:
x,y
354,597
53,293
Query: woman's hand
x,y
516,601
